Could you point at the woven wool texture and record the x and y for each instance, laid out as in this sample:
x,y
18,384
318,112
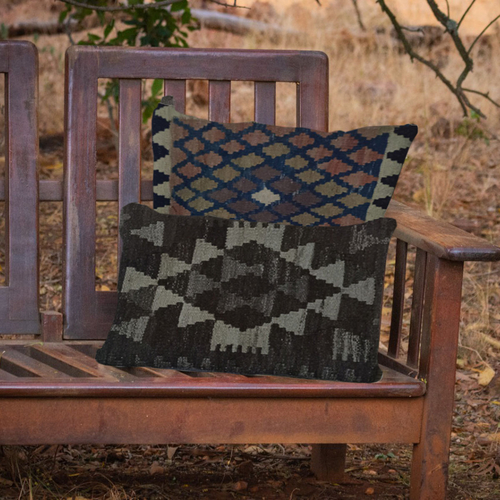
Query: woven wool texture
x,y
162,145
267,173
204,293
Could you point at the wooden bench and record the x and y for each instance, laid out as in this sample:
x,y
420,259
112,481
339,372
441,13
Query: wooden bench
x,y
51,388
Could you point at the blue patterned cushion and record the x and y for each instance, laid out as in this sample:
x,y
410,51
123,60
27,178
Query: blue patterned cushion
x,y
266,173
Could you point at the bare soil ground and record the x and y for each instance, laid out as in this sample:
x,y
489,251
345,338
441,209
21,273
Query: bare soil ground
x,y
452,172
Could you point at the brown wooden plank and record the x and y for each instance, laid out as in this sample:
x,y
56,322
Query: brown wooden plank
x,y
439,238
145,371
417,307
209,64
3,374
219,101
265,102
107,190
398,300
440,328
177,89
21,365
76,363
129,146
207,420
21,190
79,186
312,98
387,361
177,384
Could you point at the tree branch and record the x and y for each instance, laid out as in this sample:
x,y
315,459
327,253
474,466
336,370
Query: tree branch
x,y
465,13
451,27
139,6
482,33
358,14
414,55
119,8
486,95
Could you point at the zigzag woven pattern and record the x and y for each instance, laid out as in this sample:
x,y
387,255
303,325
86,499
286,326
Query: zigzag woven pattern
x,y
201,293
162,145
267,173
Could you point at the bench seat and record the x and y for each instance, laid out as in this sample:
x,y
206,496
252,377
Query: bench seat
x,y
58,369
55,393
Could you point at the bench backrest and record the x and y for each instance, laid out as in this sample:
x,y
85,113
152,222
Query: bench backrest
x,y
88,313
19,296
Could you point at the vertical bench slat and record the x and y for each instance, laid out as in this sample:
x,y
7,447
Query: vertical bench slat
x,y
312,94
19,62
398,299
219,101
177,89
80,194
265,102
129,148
417,307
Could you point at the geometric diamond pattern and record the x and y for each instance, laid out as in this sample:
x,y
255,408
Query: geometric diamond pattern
x,y
248,297
277,174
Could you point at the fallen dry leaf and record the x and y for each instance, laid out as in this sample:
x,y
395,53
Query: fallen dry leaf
x,y
486,376
240,485
370,491
493,342
156,468
485,439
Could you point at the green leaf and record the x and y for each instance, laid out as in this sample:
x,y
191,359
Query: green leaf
x,y
93,38
63,15
177,6
157,86
126,35
4,32
186,16
108,28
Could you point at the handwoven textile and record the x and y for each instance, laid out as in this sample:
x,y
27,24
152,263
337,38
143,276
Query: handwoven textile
x,y
266,173
204,293
162,145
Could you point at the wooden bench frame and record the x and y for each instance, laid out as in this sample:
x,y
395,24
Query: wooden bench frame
x,y
53,391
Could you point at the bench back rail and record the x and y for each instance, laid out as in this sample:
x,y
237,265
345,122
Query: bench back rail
x,y
88,313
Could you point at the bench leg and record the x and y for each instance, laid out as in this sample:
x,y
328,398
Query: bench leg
x,y
429,472
328,462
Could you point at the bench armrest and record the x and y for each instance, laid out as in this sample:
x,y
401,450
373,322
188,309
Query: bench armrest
x,y
439,238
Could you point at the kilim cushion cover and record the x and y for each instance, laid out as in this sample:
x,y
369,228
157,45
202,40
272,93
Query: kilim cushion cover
x,y
206,293
162,145
266,173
